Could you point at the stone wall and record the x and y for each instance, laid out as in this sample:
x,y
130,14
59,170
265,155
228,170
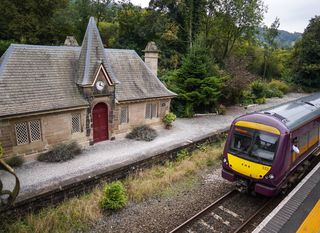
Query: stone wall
x,y
55,129
137,113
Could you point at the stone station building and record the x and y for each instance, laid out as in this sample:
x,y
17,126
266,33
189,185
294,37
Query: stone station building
x,y
88,94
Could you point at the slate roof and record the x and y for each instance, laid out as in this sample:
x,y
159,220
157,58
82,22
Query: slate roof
x,y
136,80
38,78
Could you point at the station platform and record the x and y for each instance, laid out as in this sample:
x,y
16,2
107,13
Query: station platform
x,y
299,211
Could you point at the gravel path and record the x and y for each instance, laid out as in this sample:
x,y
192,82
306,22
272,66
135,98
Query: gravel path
x,y
38,176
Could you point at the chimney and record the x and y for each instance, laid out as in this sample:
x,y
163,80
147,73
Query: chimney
x,y
151,54
71,41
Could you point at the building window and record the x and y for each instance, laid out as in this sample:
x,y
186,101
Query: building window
x,y
75,123
124,115
35,130
27,132
151,111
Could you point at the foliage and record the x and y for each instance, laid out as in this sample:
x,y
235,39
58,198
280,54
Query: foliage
x,y
270,44
169,118
183,154
160,180
307,56
258,89
114,197
61,152
280,85
233,21
142,133
197,83
77,214
15,161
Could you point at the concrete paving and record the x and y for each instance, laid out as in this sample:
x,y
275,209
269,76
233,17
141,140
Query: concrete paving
x,y
36,177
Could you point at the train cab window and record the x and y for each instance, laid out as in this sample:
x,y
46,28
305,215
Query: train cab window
x,y
254,145
265,146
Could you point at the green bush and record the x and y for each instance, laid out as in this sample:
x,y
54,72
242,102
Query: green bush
x,y
260,101
61,152
115,196
15,161
273,92
169,118
279,85
142,133
247,97
258,89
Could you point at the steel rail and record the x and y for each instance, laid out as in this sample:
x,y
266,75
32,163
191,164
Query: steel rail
x,y
244,224
202,212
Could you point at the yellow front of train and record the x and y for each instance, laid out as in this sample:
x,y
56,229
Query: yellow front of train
x,y
250,152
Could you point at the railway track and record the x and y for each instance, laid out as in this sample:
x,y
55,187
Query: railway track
x,y
230,213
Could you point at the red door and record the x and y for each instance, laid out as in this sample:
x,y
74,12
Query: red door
x,y
100,122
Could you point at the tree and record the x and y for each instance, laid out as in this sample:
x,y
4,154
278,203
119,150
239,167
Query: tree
x,y
197,83
229,22
307,56
187,14
270,43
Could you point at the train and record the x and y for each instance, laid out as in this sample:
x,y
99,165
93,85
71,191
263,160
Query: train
x,y
267,152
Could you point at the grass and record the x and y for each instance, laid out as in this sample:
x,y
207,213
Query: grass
x,y
80,213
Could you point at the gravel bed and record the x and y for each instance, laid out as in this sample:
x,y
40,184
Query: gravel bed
x,y
166,213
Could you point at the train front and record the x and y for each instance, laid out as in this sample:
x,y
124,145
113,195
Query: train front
x,y
254,154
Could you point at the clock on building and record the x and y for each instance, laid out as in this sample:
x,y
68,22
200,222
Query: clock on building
x,y
100,85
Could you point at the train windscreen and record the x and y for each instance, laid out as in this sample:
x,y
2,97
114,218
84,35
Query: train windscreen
x,y
254,145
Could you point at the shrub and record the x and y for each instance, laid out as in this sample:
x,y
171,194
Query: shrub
x,y
142,133
61,152
247,97
260,101
114,197
258,89
273,92
279,85
169,118
15,161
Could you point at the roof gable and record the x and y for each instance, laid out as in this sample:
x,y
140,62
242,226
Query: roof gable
x,y
91,55
102,70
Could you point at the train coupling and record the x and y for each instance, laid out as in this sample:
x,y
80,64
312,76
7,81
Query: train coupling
x,y
242,186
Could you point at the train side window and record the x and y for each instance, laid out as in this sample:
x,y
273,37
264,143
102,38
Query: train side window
x,y
313,136
303,143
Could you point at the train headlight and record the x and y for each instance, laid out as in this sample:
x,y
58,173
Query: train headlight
x,y
271,177
225,161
